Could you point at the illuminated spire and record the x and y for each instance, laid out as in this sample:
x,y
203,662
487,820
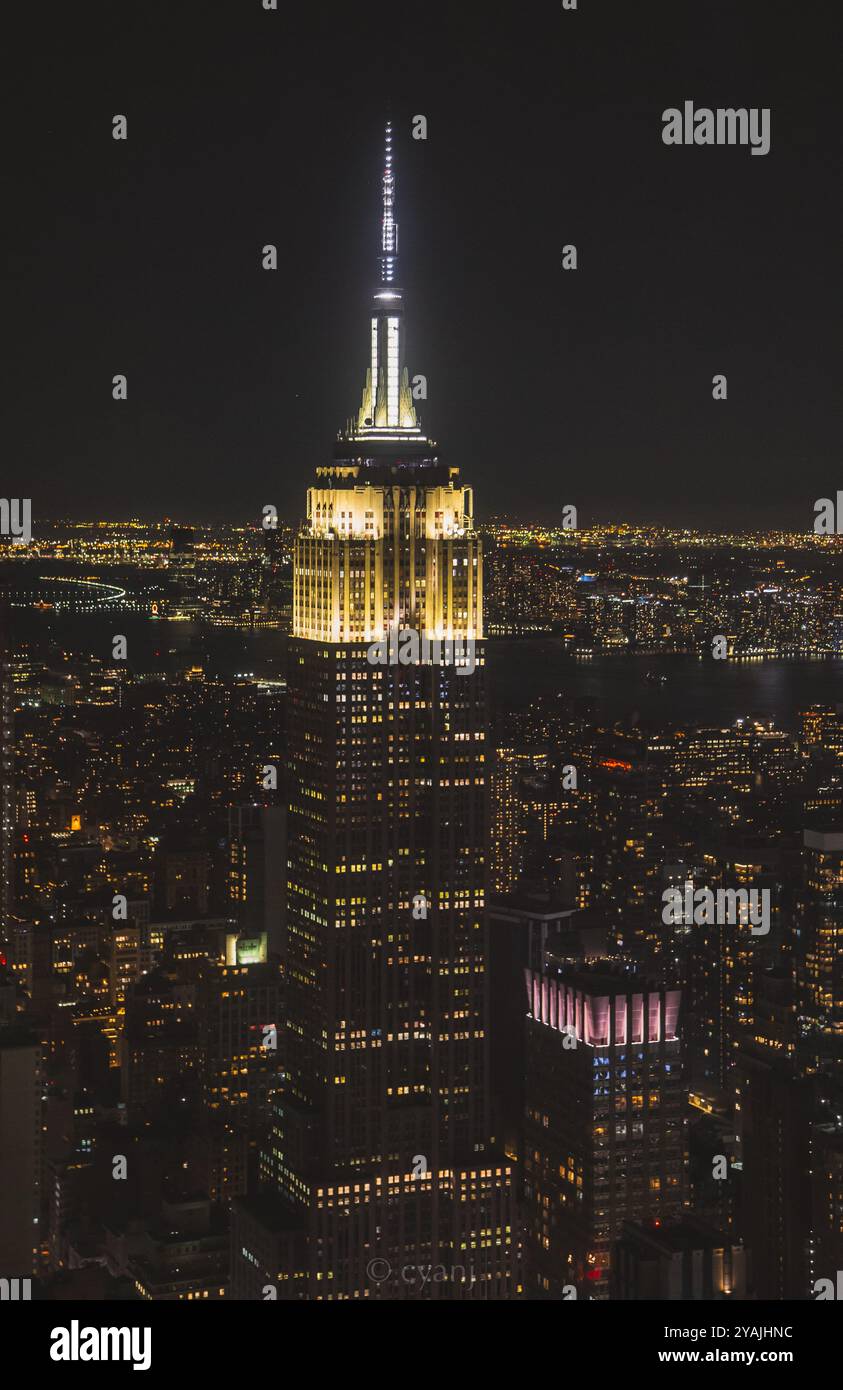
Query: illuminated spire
x,y
389,227
387,412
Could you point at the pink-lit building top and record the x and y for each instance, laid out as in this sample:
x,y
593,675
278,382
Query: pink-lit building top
x,y
603,1020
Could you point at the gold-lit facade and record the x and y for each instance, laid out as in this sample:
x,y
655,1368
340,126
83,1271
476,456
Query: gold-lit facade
x,y
375,554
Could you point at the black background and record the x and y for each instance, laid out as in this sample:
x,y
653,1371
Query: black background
x,y
547,387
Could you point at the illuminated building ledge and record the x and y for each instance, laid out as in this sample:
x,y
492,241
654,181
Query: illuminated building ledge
x,y
590,1017
369,510
446,1179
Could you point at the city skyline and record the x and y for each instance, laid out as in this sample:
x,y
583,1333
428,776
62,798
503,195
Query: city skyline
x,y
420,883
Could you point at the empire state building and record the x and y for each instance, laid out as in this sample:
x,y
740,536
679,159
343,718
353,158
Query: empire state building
x,y
381,1178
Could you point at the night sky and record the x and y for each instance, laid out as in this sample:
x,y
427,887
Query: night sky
x,y
547,387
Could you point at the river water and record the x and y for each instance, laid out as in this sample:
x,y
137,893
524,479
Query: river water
x,y
628,686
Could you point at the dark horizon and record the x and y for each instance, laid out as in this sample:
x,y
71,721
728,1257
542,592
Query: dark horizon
x,y
546,387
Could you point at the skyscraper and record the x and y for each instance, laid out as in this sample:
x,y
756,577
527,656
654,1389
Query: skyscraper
x,y
826,1201
819,964
7,785
775,1216
382,1149
20,1149
256,869
605,1139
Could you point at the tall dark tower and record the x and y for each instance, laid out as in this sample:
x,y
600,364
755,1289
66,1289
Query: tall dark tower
x,y
382,1143
606,1131
7,782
